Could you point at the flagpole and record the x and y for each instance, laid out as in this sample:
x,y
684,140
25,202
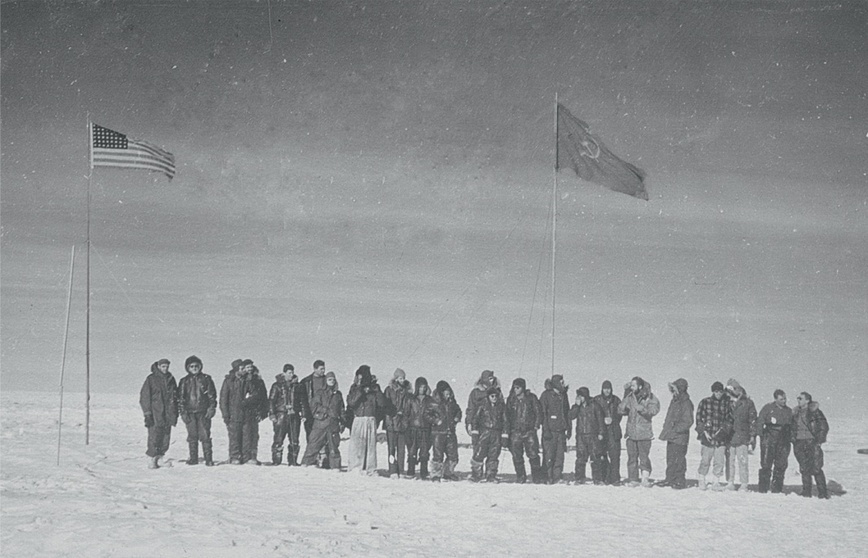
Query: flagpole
x,y
554,231
65,340
87,286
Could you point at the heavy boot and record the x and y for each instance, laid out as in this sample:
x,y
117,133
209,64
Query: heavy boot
x,y
520,471
807,484
423,469
436,470
765,477
449,470
335,463
581,478
778,481
475,470
209,456
645,480
491,470
194,453
536,472
276,456
292,455
411,468
152,463
822,490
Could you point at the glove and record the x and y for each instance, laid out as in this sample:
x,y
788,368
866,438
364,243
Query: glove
x,y
210,413
149,421
186,418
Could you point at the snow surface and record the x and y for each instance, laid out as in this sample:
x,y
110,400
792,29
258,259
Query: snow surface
x,y
103,501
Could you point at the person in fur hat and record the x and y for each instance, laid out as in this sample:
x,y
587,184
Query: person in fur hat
x,y
676,434
328,412
419,430
610,451
489,422
399,394
478,396
445,414
197,404
366,402
159,401
286,410
743,440
255,409
523,419
809,433
640,406
589,434
556,427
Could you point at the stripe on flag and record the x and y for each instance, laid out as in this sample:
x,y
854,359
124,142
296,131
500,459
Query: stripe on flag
x,y
114,149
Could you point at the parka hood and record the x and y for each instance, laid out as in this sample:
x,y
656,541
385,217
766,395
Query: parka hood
x,y
680,384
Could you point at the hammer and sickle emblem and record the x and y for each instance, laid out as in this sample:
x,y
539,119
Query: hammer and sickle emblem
x,y
589,148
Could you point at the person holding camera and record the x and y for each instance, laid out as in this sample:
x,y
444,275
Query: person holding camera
x,y
366,402
640,405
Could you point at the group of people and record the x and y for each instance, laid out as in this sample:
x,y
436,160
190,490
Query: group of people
x,y
420,426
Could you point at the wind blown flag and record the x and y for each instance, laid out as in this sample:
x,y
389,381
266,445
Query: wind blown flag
x,y
114,149
581,151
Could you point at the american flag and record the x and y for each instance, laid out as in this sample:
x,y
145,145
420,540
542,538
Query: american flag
x,y
114,149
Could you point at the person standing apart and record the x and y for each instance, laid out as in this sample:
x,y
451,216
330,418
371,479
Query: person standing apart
x,y
743,440
197,404
809,433
640,405
610,450
159,401
774,424
676,434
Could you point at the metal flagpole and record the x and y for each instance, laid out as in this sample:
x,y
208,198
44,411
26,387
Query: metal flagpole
x,y
65,339
554,230
87,286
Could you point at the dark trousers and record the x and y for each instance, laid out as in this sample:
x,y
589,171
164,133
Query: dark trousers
x,y
810,457
610,459
637,458
397,443
554,447
444,446
286,427
249,439
774,459
487,451
586,449
159,438
198,428
676,463
521,445
323,436
418,449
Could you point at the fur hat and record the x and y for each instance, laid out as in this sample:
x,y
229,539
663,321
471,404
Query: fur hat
x,y
491,391
639,382
442,386
330,374
716,386
735,387
399,374
190,360
584,392
519,382
245,362
421,381
163,361
236,364
487,377
557,382
607,384
680,385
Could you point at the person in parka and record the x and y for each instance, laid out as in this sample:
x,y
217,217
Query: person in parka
x,y
366,401
255,409
286,409
419,430
159,401
589,434
743,440
641,406
197,404
445,415
556,427
523,419
399,393
489,422
810,429
327,407
676,434
610,450
231,396
774,427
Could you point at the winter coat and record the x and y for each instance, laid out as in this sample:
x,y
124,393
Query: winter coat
x,y
588,417
490,416
609,408
640,408
477,397
285,397
310,384
328,409
523,414
773,417
196,394
420,415
399,395
814,419
231,396
743,421
679,419
714,421
443,413
367,401
555,408
255,403
159,397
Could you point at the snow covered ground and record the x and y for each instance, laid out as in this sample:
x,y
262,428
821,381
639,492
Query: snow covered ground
x,y
103,501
